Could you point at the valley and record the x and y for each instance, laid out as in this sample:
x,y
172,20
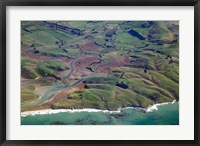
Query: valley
x,y
104,65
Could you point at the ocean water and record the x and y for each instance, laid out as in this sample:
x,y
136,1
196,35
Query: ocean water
x,y
167,114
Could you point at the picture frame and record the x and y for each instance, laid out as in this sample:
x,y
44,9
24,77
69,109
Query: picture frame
x,y
103,3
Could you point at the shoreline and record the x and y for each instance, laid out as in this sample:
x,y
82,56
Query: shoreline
x,y
154,107
150,108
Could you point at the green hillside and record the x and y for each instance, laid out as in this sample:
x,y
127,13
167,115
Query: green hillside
x,y
98,64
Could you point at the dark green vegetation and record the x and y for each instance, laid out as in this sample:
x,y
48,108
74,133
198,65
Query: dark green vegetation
x,y
100,64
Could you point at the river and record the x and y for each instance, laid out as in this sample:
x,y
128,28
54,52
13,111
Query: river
x,y
53,89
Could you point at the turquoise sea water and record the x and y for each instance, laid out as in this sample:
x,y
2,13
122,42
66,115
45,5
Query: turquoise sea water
x,y
165,115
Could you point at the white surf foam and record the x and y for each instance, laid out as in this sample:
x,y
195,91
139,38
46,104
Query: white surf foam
x,y
54,111
154,107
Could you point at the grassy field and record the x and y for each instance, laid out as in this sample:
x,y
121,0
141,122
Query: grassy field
x,y
102,64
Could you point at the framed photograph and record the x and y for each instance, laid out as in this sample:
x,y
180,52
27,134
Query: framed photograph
x,y
99,72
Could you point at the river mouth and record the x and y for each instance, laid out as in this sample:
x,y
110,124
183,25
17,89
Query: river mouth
x,y
103,65
52,90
